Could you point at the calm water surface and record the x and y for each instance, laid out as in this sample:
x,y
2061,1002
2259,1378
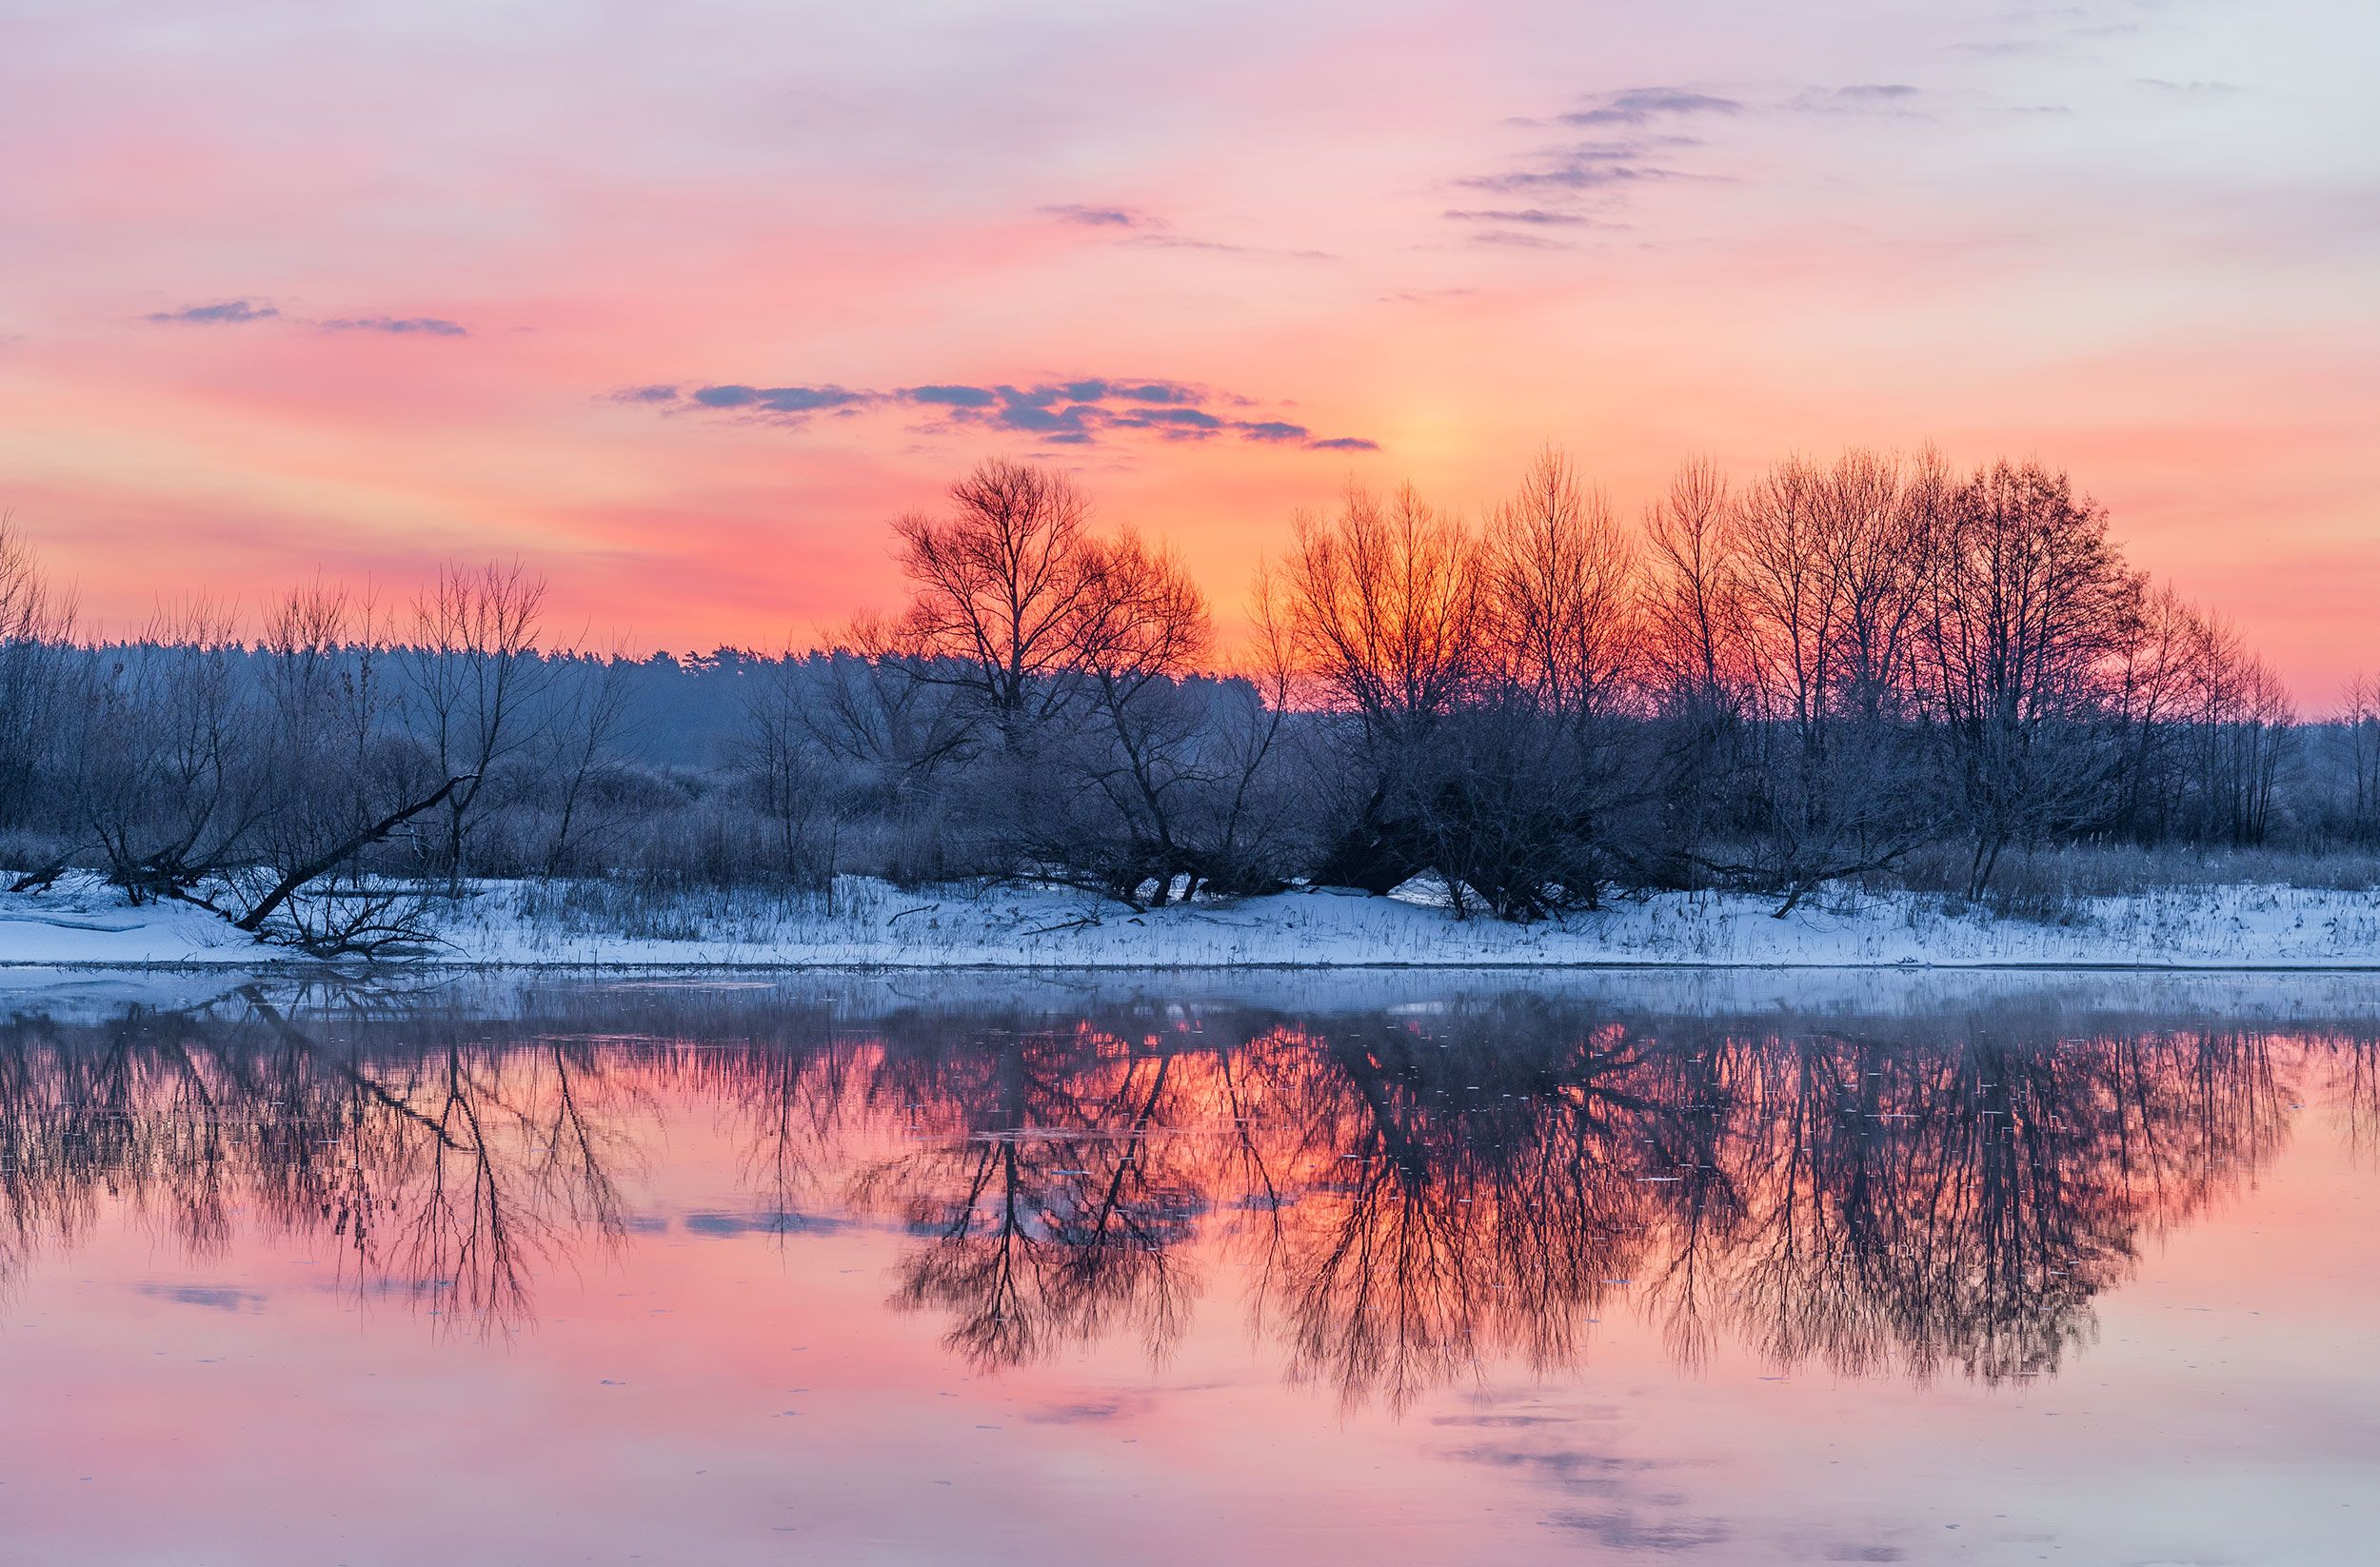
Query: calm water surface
x,y
1191,1271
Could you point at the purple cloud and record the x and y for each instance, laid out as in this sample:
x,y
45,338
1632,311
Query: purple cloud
x,y
230,312
417,325
1075,412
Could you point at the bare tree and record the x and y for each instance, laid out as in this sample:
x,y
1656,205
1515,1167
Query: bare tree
x,y
788,767
586,729
1562,591
2022,627
1032,687
476,680
1832,563
343,778
1527,819
1383,610
36,666
166,774
1000,590
1143,749
1696,664
2360,723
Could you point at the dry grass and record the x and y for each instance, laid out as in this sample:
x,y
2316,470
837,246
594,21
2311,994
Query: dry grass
x,y
2053,885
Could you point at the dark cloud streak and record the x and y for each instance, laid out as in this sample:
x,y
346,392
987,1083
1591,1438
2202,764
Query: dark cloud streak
x,y
1642,104
416,325
1075,412
1096,217
240,312
1533,216
229,312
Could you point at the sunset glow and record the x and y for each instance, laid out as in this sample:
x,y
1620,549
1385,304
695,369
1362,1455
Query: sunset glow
x,y
679,305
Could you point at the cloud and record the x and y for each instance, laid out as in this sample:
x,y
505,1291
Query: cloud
x,y
1623,1531
1642,104
1146,391
1097,217
2006,49
1582,170
1180,419
238,312
1079,411
1186,242
417,325
230,312
1514,239
1583,166
1533,215
1899,100
2194,89
1148,231
781,399
954,396
1596,169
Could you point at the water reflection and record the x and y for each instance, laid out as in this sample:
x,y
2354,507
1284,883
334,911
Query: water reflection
x,y
1408,1192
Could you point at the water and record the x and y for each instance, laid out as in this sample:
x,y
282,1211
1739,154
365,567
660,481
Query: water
x,y
1727,1269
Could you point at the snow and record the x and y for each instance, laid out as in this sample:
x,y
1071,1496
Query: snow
x,y
873,924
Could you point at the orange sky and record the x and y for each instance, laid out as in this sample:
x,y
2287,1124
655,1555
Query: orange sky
x,y
290,291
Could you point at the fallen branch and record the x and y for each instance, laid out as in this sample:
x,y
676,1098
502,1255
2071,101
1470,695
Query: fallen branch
x,y
331,860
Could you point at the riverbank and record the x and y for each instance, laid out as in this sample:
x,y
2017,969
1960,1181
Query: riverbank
x,y
872,925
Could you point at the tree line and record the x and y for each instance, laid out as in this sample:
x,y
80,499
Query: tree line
x,y
1842,668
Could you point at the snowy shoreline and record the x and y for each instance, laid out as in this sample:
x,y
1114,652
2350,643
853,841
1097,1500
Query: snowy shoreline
x,y
874,925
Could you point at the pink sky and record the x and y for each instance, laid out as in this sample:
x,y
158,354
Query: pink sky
x,y
2135,239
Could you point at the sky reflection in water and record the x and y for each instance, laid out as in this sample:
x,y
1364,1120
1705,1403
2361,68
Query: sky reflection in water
x,y
1428,1271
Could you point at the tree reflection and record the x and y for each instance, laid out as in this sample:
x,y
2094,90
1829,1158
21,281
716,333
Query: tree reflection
x,y
1044,1184
1407,1195
450,1171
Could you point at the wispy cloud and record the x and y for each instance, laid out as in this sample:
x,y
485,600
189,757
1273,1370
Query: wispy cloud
x,y
1189,242
239,313
1532,216
229,312
2192,89
1097,217
1643,104
1131,226
1590,167
795,400
1519,239
1582,168
1895,100
2006,49
1426,296
1569,184
416,325
1083,411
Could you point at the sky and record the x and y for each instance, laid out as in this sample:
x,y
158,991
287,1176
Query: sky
x,y
681,303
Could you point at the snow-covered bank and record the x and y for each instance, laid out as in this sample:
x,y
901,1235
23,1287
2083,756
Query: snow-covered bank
x,y
872,925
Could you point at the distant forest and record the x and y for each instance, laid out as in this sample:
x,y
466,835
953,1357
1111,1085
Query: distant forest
x,y
1876,669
